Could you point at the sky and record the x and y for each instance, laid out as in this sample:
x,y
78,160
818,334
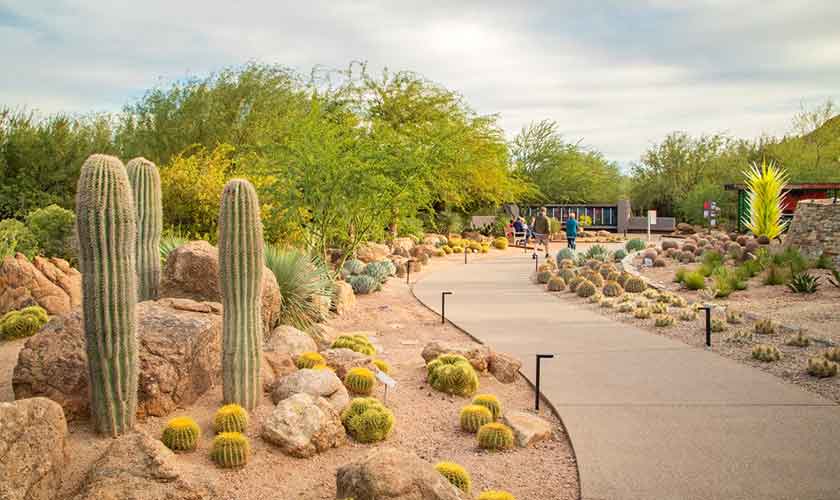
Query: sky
x,y
617,75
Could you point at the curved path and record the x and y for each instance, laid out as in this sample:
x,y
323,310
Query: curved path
x,y
649,417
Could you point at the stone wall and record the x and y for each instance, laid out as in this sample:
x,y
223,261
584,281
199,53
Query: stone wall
x,y
815,229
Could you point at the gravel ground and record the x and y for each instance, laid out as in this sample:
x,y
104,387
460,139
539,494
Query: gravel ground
x,y
427,421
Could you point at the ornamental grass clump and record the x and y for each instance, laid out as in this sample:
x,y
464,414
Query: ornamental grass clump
x,y
694,280
358,343
452,374
360,381
309,360
634,284
230,450
556,284
304,284
230,418
586,289
181,434
474,416
821,367
456,475
367,420
766,353
495,436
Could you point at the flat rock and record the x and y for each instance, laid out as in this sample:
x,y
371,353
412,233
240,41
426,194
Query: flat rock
x,y
527,428
342,360
286,338
303,425
49,283
138,467
477,354
179,346
32,434
392,474
504,367
344,300
323,383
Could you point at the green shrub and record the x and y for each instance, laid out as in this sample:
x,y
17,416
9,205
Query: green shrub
x,y
585,289
694,280
456,475
452,374
634,284
619,255
635,245
775,275
711,261
495,436
474,416
766,352
16,237
230,418
358,343
230,449
360,381
54,229
823,261
821,367
363,284
792,259
367,420
304,284
354,266
181,434
726,281
804,283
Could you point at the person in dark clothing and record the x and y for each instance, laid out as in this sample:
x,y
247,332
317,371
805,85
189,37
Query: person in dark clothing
x,y
571,230
542,231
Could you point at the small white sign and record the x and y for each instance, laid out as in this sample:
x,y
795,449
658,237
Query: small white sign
x,y
386,379
648,262
652,217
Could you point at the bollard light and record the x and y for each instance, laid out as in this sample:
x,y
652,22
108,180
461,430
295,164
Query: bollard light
x,y
540,357
708,309
408,271
443,306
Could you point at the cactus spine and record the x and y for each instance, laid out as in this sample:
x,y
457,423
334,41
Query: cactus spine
x,y
106,227
145,183
240,282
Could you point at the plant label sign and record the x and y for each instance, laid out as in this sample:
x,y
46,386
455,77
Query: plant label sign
x,y
652,217
386,379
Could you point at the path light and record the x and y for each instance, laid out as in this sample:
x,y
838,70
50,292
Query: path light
x,y
540,357
536,259
408,271
443,306
708,309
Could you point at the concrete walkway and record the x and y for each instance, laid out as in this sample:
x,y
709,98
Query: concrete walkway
x,y
649,418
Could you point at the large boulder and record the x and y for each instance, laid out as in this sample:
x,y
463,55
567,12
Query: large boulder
x,y
192,272
504,367
275,365
370,252
342,360
477,354
286,338
344,300
527,427
138,467
392,474
32,434
322,383
49,283
179,344
303,425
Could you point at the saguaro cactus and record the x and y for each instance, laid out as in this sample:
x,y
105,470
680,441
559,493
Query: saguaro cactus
x,y
240,281
107,228
145,183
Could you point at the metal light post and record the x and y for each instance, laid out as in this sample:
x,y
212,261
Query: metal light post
x,y
540,357
443,306
408,271
708,309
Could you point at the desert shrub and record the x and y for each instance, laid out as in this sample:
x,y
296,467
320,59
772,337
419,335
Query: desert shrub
x,y
821,367
354,266
360,381
804,283
726,280
619,255
495,436
799,340
500,243
635,245
380,271
16,237
792,259
612,289
23,323
367,420
775,275
181,434
358,343
642,313
664,320
491,402
734,317
574,283
473,416
495,495
382,365
585,289
711,261
304,284
635,284
364,284
54,228
309,360
679,274
832,354
556,284
455,474
597,252
764,327
766,352
823,261
452,374
230,418
694,280
688,315
230,449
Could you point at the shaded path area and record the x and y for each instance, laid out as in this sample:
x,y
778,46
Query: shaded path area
x,y
649,417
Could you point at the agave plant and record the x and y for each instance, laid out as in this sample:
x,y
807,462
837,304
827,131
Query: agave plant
x,y
170,242
304,284
804,283
766,197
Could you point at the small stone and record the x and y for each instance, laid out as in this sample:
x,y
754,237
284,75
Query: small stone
x,y
527,428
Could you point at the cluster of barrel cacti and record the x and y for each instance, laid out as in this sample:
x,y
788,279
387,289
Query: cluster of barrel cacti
x,y
367,420
360,381
23,323
452,374
357,342
309,360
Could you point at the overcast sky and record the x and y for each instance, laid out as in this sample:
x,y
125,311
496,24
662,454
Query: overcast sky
x,y
619,74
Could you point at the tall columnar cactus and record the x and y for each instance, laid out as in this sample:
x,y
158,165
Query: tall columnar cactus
x,y
107,229
145,183
240,281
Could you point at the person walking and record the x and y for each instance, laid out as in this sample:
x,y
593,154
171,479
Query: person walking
x,y
542,231
571,230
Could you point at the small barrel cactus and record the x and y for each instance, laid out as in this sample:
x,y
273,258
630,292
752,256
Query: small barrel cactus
x,y
821,367
718,325
659,308
547,266
382,365
360,381
594,277
148,206
24,323
664,320
241,266
612,289
455,474
230,449
766,353
457,249
501,243
651,294
309,360
367,420
474,416
593,264
606,270
544,276
585,289
799,340
495,436
359,343
688,314
181,434
642,313
567,274
230,418
452,374
595,299
566,264
556,284
107,233
572,284
734,317
740,337
832,354
635,284
446,249
491,402
363,284
626,307
678,302
495,495
765,327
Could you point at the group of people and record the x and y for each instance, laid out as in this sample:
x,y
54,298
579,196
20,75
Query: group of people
x,y
540,230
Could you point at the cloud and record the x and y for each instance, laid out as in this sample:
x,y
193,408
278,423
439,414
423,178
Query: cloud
x,y
619,74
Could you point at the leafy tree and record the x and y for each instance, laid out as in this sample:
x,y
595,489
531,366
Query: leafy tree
x,y
16,237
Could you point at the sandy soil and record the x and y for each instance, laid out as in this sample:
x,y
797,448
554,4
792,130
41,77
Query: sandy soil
x,y
427,421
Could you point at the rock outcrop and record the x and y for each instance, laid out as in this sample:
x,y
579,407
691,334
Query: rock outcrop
x,y
49,283
321,383
304,425
477,354
370,252
504,367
